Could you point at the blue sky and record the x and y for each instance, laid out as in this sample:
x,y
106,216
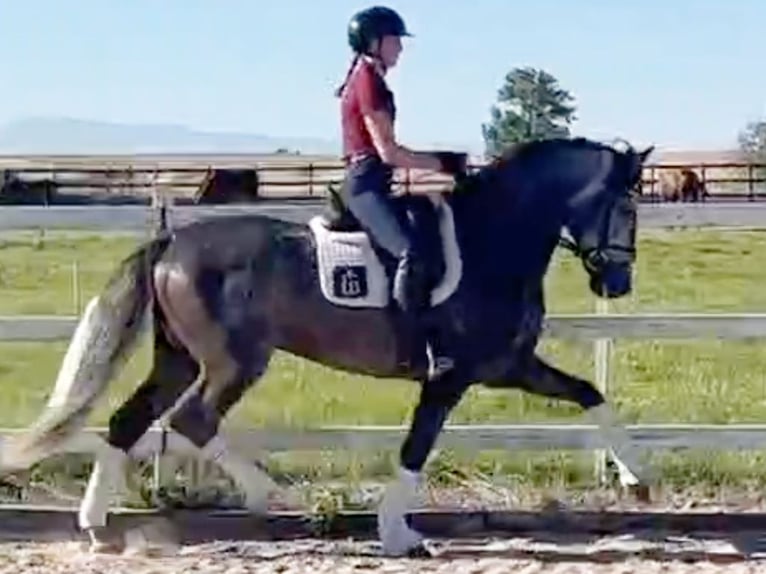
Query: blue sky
x,y
677,73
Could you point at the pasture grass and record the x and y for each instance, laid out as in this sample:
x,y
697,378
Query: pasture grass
x,y
700,381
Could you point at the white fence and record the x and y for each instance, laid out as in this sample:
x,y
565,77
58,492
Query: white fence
x,y
599,328
139,218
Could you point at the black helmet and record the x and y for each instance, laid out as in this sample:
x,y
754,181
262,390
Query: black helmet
x,y
372,24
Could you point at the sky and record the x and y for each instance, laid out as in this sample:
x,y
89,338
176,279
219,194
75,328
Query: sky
x,y
680,74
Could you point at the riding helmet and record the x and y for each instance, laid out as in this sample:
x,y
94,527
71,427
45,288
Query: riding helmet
x,y
372,24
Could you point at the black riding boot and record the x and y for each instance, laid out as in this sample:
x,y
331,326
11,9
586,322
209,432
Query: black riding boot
x,y
411,291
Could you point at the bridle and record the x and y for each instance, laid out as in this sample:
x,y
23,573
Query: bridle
x,y
596,256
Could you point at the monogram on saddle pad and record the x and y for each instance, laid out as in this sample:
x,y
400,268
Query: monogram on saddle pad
x,y
352,275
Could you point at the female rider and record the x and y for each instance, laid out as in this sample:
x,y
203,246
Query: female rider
x,y
371,152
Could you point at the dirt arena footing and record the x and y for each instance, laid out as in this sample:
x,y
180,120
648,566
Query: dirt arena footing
x,y
55,524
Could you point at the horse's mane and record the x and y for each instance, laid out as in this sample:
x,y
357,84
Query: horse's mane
x,y
482,188
523,150
516,153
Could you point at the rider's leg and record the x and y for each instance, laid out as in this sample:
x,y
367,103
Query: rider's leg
x,y
378,217
425,223
368,199
424,219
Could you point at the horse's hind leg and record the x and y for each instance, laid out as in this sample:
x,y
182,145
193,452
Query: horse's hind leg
x,y
540,378
199,421
173,370
234,350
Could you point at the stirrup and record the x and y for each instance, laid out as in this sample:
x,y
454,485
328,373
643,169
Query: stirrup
x,y
438,366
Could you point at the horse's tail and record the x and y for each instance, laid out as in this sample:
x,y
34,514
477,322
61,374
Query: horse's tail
x,y
107,331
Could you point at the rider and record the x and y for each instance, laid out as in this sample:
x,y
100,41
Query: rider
x,y
371,152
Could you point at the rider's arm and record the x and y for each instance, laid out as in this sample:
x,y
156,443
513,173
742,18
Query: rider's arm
x,y
379,124
381,130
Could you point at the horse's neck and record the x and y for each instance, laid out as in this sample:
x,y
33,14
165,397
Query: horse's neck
x,y
512,215
505,240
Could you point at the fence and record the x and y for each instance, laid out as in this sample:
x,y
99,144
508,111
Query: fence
x,y
295,176
600,329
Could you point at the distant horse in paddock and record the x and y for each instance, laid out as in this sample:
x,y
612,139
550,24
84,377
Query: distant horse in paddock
x,y
221,186
218,186
681,185
693,189
226,292
15,190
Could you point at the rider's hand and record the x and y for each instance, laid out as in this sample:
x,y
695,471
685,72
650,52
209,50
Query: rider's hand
x,y
452,162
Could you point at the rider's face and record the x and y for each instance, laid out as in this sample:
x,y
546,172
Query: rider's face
x,y
389,49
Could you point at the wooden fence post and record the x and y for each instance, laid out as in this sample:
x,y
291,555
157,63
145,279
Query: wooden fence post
x,y
602,352
311,178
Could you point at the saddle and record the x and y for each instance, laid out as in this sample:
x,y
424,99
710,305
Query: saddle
x,y
354,273
337,216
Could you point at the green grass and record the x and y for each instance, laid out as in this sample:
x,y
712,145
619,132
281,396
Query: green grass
x,y
653,380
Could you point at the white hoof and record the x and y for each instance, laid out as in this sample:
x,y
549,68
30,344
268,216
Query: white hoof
x,y
260,490
101,542
396,538
626,476
257,504
150,541
255,484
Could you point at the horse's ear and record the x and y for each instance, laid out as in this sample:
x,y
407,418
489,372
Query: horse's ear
x,y
643,155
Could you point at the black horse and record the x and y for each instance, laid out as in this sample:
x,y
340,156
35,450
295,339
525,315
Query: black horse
x,y
226,292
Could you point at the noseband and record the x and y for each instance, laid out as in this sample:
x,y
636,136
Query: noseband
x,y
594,257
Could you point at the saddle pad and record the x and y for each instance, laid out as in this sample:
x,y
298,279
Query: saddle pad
x,y
351,275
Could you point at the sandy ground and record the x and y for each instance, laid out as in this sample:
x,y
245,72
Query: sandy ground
x,y
637,552
629,551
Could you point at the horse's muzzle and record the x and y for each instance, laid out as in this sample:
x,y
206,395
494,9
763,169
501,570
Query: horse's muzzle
x,y
612,281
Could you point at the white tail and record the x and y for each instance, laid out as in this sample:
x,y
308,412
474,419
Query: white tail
x,y
87,368
64,388
107,331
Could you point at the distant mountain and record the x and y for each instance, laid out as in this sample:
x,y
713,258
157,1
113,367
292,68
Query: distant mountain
x,y
78,136
58,135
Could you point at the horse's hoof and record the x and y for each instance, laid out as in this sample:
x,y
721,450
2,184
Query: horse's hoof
x,y
151,540
641,492
403,543
257,506
419,551
102,543
105,548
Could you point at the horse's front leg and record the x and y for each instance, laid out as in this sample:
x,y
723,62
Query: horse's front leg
x,y
437,399
540,378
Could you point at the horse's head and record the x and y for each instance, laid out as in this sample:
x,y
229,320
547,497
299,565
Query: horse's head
x,y
525,197
601,218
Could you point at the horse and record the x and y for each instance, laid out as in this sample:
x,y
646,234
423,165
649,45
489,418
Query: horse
x,y
220,186
682,185
224,293
17,191
692,187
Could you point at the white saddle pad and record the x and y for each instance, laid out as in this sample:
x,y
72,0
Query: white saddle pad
x,y
351,275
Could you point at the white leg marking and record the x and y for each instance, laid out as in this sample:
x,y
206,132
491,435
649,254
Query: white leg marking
x,y
632,471
255,483
396,537
107,481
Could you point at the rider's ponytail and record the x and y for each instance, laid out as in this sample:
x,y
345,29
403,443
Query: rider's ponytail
x,y
339,90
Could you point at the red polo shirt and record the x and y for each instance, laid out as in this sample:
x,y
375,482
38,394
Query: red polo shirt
x,y
365,91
